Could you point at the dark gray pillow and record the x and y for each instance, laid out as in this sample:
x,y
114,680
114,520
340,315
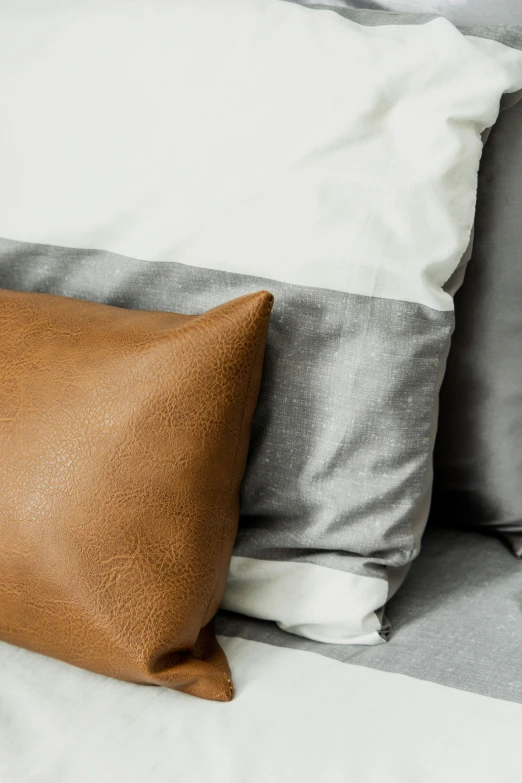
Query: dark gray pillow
x,y
478,457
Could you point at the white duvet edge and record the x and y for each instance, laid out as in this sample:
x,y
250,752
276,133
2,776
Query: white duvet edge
x,y
308,600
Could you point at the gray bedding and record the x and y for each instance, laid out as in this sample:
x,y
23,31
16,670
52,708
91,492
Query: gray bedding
x,y
300,716
457,620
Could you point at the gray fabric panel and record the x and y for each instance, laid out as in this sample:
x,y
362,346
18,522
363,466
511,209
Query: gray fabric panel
x,y
478,456
368,13
457,620
341,438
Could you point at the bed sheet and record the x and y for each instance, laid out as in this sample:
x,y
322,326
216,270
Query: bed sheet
x,y
431,706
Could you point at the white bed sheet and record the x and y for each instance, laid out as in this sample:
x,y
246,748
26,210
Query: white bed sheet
x,y
297,716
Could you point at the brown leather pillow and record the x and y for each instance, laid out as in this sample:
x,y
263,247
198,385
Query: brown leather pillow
x,y
123,442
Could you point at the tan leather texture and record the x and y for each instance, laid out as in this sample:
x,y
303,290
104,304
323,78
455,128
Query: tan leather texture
x,y
123,441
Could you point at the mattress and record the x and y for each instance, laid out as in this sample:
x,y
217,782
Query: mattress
x,y
441,702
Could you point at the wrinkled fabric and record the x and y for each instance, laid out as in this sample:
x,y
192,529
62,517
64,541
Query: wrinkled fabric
x,y
478,456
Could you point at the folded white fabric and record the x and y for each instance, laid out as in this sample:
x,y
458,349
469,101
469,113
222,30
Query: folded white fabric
x,y
217,148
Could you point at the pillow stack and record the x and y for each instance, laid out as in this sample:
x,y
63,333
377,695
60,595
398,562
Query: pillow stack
x,y
194,153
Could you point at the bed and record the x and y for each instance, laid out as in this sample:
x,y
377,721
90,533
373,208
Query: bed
x,y
441,701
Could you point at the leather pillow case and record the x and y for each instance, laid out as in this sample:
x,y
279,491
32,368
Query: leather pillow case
x,y
123,442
